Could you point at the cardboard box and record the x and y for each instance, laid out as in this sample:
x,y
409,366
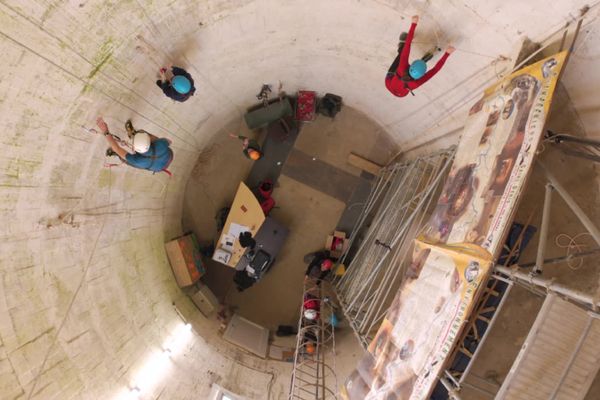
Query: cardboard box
x,y
186,262
280,353
337,244
205,300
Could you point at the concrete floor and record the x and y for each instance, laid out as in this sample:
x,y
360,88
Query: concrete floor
x,y
306,206
87,290
311,214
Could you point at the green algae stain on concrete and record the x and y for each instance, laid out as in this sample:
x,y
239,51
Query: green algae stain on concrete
x,y
105,178
102,57
18,168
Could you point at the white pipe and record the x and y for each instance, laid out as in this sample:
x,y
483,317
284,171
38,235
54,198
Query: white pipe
x,y
589,225
539,260
549,285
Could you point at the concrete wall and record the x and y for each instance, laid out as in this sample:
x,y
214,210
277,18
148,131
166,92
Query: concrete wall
x,y
86,291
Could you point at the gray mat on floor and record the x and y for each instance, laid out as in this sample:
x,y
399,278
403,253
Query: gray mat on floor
x,y
320,176
276,148
355,204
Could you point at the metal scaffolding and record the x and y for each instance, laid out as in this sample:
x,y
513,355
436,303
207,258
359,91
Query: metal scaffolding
x,y
532,281
313,376
382,237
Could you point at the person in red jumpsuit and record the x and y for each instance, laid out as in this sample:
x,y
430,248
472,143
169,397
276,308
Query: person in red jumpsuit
x,y
402,78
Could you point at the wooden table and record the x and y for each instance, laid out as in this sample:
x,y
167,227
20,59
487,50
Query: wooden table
x,y
245,215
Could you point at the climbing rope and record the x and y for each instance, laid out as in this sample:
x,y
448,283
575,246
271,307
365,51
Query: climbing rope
x,y
565,241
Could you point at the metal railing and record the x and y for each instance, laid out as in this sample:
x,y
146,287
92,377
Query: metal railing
x,y
382,238
313,375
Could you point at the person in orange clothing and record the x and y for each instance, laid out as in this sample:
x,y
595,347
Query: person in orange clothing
x,y
402,78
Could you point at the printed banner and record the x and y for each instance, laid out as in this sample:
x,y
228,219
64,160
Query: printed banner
x,y
454,255
421,328
496,151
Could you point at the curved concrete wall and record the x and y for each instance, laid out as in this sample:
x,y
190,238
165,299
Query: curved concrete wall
x,y
86,288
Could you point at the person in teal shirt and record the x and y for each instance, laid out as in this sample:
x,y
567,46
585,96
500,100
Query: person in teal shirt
x,y
151,153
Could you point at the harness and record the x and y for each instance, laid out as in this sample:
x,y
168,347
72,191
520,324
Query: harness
x,y
406,78
154,157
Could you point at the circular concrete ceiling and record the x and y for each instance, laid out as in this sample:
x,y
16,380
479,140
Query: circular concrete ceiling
x,y
86,289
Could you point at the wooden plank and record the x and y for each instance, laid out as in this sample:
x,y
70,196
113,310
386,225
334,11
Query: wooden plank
x,y
245,211
364,164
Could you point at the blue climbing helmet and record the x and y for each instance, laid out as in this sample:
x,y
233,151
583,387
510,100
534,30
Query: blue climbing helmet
x,y
417,69
181,84
334,321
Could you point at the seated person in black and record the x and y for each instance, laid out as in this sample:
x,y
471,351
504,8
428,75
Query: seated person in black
x,y
319,267
179,87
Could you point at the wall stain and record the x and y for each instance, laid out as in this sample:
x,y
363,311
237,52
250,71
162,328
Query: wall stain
x,y
44,333
102,57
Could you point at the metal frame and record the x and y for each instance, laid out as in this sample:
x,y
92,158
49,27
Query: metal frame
x,y
397,206
588,149
554,185
532,281
312,376
533,336
471,327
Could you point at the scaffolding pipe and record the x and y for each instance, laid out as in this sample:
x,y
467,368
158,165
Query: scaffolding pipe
x,y
589,225
541,250
379,220
371,200
549,285
407,223
392,192
569,257
423,196
396,209
487,331
379,314
452,392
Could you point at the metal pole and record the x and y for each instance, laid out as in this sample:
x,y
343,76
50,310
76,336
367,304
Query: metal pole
x,y
556,260
430,189
549,285
539,260
487,331
589,225
452,392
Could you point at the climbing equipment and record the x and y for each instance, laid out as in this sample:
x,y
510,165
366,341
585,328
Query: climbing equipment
x,y
181,84
417,69
141,142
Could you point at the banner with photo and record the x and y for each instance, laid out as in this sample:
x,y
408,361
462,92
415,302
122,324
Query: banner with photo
x,y
454,255
420,329
494,157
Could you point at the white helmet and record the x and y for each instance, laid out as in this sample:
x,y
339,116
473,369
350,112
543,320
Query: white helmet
x,y
310,314
141,142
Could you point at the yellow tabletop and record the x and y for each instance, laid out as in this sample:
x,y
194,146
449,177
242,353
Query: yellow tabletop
x,y
245,215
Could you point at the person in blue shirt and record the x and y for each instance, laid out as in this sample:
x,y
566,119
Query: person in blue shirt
x,y
151,153
179,87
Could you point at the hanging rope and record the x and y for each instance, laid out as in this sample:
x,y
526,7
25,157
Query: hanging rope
x,y
565,241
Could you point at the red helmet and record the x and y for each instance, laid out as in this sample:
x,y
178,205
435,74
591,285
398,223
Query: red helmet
x,y
326,264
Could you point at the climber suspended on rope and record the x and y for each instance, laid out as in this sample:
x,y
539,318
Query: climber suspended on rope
x,y
149,152
402,78
178,86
